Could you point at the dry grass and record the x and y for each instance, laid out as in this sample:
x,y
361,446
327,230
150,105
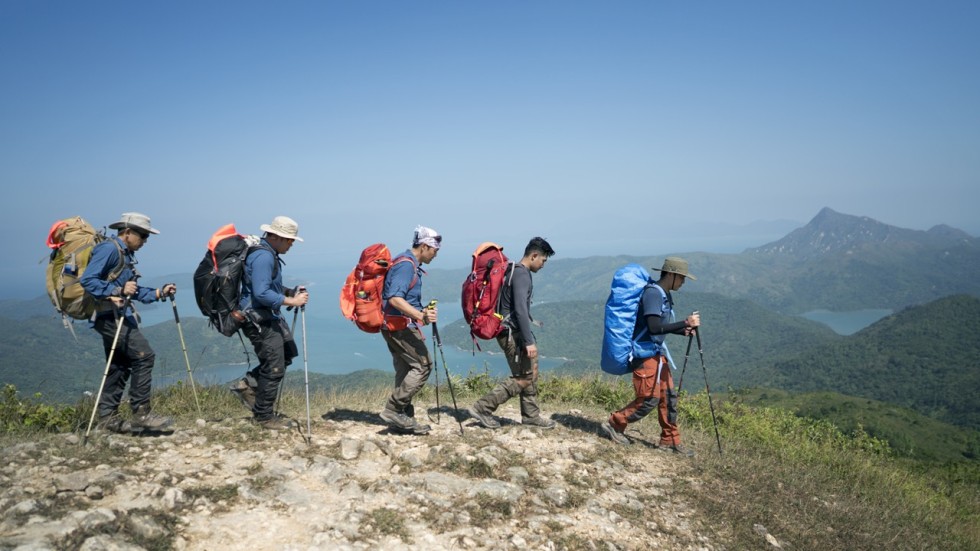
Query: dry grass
x,y
814,488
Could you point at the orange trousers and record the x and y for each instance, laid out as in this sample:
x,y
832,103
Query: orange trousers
x,y
654,389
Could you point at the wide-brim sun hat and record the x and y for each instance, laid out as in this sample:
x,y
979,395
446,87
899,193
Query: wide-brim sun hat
x,y
283,226
676,265
135,221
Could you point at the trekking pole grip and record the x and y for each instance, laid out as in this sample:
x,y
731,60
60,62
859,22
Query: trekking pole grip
x,y
435,330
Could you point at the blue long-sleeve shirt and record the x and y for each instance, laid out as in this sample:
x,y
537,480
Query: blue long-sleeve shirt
x,y
105,260
404,279
262,286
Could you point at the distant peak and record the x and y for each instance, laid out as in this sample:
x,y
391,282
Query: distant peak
x,y
830,232
828,214
942,230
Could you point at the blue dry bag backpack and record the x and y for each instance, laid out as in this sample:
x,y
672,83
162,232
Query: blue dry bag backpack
x,y
618,345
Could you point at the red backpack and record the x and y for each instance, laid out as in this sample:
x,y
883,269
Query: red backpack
x,y
360,297
489,274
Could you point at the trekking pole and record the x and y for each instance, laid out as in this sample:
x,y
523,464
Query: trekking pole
x,y
438,418
120,320
306,377
690,337
708,389
183,347
680,383
293,328
292,331
449,379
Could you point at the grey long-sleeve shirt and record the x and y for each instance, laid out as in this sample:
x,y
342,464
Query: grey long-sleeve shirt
x,y
515,304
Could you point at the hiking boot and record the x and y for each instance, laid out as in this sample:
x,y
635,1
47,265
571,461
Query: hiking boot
x,y
277,422
614,434
417,430
398,420
678,449
113,423
409,411
245,393
538,421
482,418
144,419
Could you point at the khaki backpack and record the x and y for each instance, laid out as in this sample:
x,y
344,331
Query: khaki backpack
x,y
72,241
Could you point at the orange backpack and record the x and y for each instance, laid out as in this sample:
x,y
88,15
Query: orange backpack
x,y
360,297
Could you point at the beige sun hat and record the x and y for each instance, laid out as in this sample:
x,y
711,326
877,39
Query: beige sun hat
x,y
676,265
283,226
134,220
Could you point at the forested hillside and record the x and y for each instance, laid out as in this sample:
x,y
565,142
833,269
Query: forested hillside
x,y
39,355
909,432
925,357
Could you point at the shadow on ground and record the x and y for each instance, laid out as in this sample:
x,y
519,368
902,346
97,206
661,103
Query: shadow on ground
x,y
591,426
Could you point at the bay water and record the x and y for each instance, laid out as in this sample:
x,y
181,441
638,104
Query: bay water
x,y
847,323
335,346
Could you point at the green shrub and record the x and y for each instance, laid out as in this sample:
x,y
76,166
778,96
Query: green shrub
x,y
32,415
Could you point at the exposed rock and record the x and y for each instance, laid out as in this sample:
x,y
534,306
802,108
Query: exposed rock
x,y
226,484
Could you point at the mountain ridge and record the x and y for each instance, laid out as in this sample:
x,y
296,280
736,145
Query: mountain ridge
x,y
833,232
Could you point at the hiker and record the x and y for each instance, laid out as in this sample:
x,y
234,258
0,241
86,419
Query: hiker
x,y
652,380
111,278
403,318
518,343
262,297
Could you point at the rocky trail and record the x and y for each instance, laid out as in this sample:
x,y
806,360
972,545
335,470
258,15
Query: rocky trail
x,y
227,484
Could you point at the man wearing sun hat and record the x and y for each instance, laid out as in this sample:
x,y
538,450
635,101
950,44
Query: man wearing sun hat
x,y
403,318
262,297
652,380
111,278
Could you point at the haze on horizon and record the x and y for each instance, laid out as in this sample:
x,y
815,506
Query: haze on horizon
x,y
636,128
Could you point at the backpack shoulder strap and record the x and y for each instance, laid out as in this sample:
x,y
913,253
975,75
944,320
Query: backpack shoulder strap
x,y
507,284
415,267
117,271
277,261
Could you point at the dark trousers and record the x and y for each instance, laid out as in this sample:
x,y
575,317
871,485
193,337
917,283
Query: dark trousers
x,y
275,349
133,359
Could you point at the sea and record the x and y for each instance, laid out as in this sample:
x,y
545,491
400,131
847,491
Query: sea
x,y
847,323
334,346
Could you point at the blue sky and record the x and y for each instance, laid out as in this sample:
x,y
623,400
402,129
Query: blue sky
x,y
608,127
